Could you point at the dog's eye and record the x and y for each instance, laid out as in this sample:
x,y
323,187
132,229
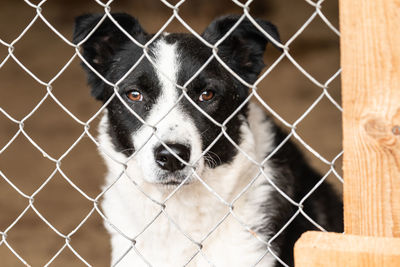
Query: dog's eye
x,y
206,95
134,96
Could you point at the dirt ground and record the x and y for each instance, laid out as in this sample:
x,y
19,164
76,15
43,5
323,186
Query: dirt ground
x,y
285,89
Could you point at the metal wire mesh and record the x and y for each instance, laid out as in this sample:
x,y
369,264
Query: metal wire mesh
x,y
85,126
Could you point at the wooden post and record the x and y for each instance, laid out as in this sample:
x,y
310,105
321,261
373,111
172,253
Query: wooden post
x,y
370,56
318,249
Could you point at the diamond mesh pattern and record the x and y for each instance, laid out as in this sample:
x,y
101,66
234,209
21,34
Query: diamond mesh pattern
x,y
86,124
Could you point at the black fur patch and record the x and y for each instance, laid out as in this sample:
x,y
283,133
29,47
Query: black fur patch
x,y
100,49
243,49
296,178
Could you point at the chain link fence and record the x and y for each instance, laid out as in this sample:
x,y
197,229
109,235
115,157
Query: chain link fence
x,y
87,124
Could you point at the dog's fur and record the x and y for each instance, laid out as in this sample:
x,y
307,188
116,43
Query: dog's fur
x,y
196,208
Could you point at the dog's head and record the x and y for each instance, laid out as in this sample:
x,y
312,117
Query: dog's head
x,y
174,123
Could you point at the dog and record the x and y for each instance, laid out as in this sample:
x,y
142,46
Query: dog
x,y
187,182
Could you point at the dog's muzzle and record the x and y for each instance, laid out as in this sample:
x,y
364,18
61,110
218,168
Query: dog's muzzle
x,y
168,161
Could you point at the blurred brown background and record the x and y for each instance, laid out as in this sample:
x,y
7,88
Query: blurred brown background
x,y
286,90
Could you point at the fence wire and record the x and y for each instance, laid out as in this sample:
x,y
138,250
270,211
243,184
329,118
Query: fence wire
x,y
254,94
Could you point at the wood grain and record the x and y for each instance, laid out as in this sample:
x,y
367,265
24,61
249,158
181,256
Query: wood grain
x,y
370,56
317,249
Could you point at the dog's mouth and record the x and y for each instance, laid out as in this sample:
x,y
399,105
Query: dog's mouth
x,y
174,183
175,180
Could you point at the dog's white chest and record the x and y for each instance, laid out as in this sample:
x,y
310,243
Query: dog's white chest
x,y
169,242
192,233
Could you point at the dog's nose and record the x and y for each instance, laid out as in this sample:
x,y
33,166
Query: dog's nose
x,y
167,161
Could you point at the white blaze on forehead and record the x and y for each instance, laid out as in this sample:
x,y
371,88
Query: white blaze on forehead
x,y
166,68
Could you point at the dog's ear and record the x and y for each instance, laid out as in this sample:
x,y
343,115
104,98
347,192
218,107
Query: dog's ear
x,y
243,49
100,48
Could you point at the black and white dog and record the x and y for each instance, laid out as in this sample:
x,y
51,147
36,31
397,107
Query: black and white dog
x,y
186,225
